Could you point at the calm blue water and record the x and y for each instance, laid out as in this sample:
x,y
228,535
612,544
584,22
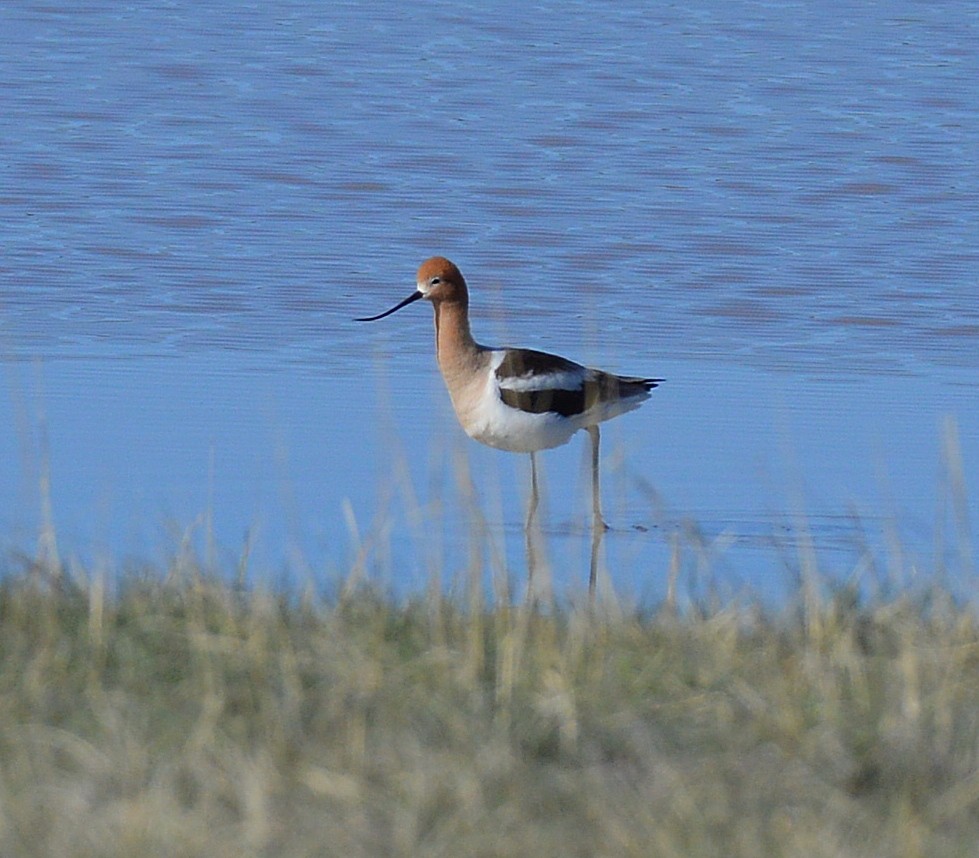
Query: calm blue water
x,y
773,205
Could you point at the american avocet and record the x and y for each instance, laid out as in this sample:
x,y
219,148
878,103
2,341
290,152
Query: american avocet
x,y
519,400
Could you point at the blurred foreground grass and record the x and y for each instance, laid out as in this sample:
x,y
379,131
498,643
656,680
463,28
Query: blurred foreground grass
x,y
178,715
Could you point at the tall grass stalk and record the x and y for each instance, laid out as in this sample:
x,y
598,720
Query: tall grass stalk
x,y
167,712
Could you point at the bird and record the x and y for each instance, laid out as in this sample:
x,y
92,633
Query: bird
x,y
517,399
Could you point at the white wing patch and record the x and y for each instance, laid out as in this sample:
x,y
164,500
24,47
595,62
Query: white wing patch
x,y
564,376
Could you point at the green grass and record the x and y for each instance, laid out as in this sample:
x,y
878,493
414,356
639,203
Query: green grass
x,y
174,714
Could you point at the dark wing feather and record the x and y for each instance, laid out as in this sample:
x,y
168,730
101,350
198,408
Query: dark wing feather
x,y
566,388
520,363
567,403
551,383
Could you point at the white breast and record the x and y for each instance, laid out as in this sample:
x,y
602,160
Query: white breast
x,y
487,419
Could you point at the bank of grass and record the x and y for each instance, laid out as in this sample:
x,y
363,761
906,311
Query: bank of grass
x,y
179,715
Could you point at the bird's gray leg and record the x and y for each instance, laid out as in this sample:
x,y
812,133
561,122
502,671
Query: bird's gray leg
x,y
531,516
598,524
534,491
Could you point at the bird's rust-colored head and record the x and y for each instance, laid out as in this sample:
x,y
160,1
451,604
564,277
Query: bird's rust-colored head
x,y
438,280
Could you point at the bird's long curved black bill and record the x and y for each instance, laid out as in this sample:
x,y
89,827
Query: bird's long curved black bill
x,y
414,296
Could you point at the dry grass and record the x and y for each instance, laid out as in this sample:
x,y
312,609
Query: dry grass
x,y
178,715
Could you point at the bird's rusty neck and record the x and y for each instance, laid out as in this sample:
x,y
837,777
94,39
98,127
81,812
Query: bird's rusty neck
x,y
455,347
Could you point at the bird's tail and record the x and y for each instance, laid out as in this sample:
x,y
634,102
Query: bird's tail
x,y
644,383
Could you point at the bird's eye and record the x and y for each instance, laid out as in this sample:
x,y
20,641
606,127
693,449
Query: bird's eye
x,y
435,281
